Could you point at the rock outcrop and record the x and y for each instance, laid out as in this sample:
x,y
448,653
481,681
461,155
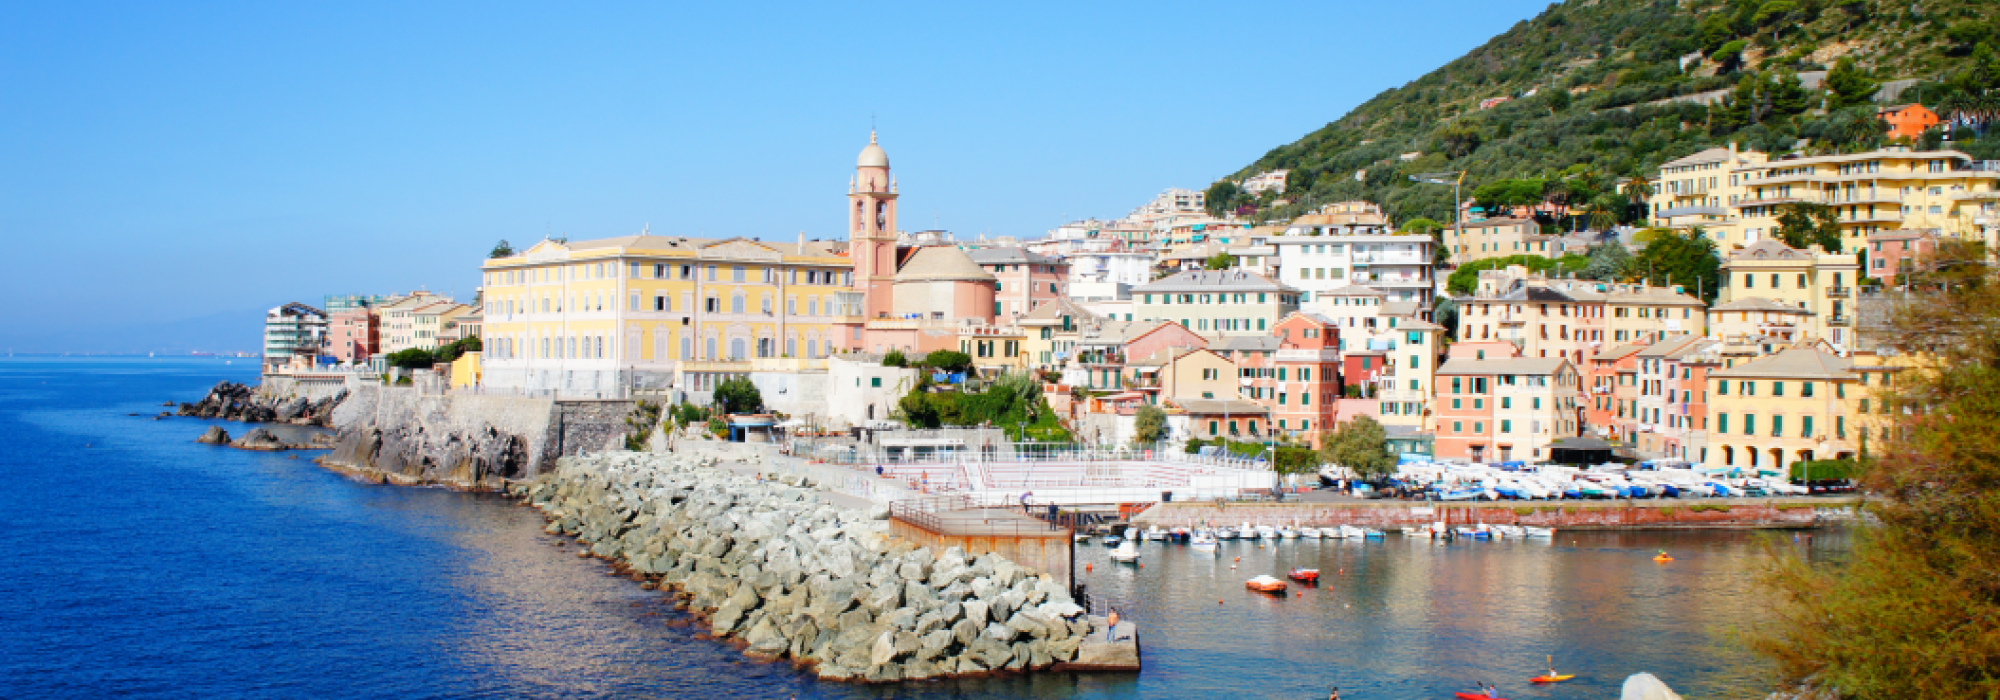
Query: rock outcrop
x,y
215,436
242,402
771,566
261,439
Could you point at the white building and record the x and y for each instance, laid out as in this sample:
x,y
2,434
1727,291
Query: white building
x,y
860,389
1316,255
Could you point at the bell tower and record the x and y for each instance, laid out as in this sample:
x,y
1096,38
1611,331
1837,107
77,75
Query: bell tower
x,y
871,229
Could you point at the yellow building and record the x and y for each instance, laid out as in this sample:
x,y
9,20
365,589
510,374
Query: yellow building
x,y
617,314
1739,196
1496,238
1811,280
1052,331
1797,405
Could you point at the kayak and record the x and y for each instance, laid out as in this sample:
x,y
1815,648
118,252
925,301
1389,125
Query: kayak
x,y
1478,696
1552,679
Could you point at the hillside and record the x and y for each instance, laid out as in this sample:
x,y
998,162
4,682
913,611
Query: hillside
x,y
1591,84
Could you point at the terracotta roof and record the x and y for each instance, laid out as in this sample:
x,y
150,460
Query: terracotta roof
x,y
1792,363
1760,304
1516,365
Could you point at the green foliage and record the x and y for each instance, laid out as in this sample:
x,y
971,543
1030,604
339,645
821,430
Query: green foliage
x,y
687,414
1688,260
1802,225
1221,198
501,250
948,361
895,358
1220,261
738,395
1824,469
1510,193
644,418
451,351
1465,279
1625,54
1360,444
412,358
1608,262
1149,425
1008,403
1848,85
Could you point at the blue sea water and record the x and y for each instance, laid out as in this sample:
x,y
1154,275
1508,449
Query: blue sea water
x,y
140,563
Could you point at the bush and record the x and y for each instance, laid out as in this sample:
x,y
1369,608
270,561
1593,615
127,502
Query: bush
x,y
895,358
413,358
948,361
1824,469
738,395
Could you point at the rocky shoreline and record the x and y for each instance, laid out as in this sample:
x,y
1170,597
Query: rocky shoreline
x,y
770,566
245,403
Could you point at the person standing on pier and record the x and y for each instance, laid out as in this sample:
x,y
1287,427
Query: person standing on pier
x,y
1024,502
1111,626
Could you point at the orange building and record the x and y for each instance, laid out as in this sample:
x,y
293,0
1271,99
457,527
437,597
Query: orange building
x,y
1908,121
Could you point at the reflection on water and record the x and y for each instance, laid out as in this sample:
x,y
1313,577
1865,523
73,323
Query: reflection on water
x,y
143,563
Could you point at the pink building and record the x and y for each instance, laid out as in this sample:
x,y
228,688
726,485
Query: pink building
x,y
1023,279
1892,254
1308,376
353,335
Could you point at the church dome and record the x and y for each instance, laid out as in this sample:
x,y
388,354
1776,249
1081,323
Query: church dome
x,y
873,156
942,263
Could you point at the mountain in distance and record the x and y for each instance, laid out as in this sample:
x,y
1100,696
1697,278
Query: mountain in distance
x,y
225,332
1591,91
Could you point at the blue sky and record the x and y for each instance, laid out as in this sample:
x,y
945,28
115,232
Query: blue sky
x,y
161,162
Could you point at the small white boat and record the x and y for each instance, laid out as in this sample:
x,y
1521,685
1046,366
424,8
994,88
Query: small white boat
x,y
1416,531
1267,532
1542,533
1156,534
1309,533
1225,533
1351,532
1127,552
1512,532
1203,542
1082,537
1248,532
1285,532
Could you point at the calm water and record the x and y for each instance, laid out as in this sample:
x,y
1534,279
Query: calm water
x,y
140,563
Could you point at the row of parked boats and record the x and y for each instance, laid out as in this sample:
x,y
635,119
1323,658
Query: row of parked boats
x,y
1468,482
1206,540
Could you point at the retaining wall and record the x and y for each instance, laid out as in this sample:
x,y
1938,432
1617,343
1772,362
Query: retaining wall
x,y
478,442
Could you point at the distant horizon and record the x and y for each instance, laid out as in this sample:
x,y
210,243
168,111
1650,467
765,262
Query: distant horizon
x,y
178,162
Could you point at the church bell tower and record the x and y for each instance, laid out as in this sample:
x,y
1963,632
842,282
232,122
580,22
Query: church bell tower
x,y
871,229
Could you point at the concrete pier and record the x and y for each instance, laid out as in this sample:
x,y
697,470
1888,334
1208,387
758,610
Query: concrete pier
x,y
1118,651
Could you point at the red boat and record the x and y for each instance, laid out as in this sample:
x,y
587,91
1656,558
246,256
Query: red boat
x,y
1305,575
1478,696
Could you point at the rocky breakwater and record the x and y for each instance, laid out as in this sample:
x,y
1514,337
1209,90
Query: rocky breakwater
x,y
242,402
773,567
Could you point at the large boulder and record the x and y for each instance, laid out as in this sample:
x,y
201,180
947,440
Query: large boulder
x,y
215,436
1645,686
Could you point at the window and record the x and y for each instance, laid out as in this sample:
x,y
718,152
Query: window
x,y
1777,426
1457,426
1506,426
1722,423
1749,424
1806,390
1777,388
1806,426
876,382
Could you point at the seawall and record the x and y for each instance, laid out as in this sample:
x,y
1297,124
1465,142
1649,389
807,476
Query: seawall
x,y
1717,513
402,435
774,567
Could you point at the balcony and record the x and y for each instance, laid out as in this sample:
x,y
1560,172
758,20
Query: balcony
x,y
1840,321
1839,292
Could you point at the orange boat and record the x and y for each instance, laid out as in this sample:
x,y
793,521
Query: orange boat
x,y
1305,575
1265,584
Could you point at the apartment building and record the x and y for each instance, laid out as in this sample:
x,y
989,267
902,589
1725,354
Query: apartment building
x,y
292,332
353,335
1501,410
1796,405
629,312
1738,197
1612,376
1052,330
1307,376
1216,303
1893,254
1319,253
398,320
1669,374
1022,279
1473,241
1810,280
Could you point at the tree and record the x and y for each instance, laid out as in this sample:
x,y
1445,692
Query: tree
x,y
948,361
1220,198
1446,313
1460,139
1608,262
1360,444
1465,280
1220,261
895,358
1149,425
1803,225
738,395
1688,260
501,250
1848,86
412,358
1913,611
1856,129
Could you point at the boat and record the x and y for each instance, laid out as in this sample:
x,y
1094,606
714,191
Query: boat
x,y
1265,584
1225,533
1304,575
1662,557
1285,532
1477,696
1156,534
1203,542
1309,533
1350,532
1082,537
1267,532
1247,532
1512,532
1541,533
1127,552
1552,679
1112,540
1179,535
1373,534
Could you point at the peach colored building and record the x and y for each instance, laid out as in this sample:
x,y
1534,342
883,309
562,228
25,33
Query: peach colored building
x,y
1308,376
1023,279
1505,409
1892,254
1908,121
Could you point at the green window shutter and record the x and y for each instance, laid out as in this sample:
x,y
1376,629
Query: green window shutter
x,y
1806,427
1722,423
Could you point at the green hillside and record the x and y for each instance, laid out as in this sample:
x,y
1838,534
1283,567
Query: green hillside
x,y
1586,79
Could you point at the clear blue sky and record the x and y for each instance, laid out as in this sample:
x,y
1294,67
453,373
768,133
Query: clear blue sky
x,y
167,161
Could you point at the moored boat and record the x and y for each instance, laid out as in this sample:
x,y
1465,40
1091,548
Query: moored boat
x,y
1265,584
1127,552
1304,575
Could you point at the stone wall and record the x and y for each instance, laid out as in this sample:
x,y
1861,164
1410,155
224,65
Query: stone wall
x,y
1672,514
792,577
477,442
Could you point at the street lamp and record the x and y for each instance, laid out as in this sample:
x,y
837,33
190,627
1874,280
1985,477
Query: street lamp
x,y
1457,201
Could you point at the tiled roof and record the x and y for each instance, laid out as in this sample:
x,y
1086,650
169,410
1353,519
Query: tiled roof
x,y
941,262
1516,365
1792,363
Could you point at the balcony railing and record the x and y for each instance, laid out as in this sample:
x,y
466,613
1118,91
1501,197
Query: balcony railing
x,y
1838,291
1840,321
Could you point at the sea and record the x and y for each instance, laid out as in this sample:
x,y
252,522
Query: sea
x,y
139,563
